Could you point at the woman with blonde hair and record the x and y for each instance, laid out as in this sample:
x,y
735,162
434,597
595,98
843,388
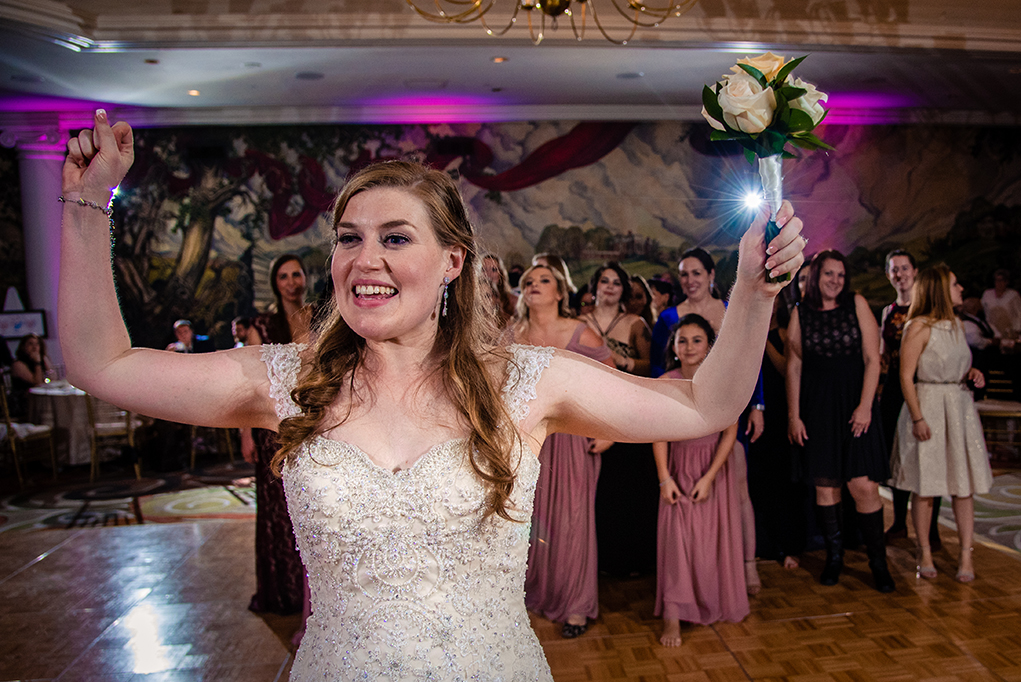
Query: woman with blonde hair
x,y
563,569
409,438
940,449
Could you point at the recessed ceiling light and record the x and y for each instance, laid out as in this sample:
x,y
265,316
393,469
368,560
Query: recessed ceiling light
x,y
194,93
252,65
309,76
499,60
152,61
631,75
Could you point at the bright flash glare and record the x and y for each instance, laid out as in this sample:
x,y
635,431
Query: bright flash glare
x,y
753,200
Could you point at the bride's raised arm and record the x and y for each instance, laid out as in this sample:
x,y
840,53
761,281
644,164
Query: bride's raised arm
x,y
227,388
578,396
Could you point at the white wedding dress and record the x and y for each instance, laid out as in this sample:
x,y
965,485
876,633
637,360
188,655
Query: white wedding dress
x,y
408,581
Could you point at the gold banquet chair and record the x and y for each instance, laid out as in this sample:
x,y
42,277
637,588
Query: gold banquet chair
x,y
19,434
109,425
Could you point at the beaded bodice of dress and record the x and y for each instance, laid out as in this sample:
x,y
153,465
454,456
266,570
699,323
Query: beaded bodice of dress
x,y
829,333
946,357
408,582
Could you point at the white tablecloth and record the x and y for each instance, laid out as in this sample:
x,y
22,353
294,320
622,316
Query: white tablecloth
x,y
62,406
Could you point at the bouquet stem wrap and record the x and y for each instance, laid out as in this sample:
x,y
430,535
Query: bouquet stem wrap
x,y
771,174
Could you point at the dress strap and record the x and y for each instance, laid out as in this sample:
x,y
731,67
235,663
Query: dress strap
x,y
523,371
283,362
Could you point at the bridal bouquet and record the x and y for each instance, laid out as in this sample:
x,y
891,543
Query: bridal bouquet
x,y
762,108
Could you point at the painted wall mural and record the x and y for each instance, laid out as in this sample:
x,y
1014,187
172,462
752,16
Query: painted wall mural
x,y
205,210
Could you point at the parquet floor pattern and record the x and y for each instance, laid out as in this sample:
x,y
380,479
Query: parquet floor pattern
x,y
168,602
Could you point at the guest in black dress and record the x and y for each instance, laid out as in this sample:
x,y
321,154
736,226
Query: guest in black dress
x,y
832,376
279,573
780,499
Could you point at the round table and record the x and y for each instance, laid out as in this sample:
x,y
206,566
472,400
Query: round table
x,y
62,406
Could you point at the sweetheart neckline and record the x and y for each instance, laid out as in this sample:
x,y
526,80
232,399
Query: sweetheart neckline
x,y
368,458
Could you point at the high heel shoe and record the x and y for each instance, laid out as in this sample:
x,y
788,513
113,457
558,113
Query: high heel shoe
x,y
962,575
927,572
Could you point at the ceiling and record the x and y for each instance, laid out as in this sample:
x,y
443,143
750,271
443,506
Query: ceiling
x,y
288,61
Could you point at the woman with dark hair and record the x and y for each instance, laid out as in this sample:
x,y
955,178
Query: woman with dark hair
x,y
661,292
624,524
409,438
939,449
698,283
700,559
832,376
28,369
641,300
563,567
697,273
280,580
625,334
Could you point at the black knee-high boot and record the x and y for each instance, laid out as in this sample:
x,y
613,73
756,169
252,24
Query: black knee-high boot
x,y
829,524
872,535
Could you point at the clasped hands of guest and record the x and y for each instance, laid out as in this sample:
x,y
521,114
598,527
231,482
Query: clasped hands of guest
x,y
671,492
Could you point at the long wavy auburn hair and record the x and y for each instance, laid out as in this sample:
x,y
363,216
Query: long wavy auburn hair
x,y
466,334
930,295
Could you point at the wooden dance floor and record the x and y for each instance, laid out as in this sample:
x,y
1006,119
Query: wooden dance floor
x,y
168,602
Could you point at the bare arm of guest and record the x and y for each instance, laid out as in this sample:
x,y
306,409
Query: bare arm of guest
x,y
915,337
641,341
862,415
796,428
703,488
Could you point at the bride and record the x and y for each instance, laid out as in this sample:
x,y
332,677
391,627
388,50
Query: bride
x,y
409,440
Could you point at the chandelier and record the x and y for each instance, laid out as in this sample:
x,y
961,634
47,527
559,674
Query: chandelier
x,y
638,14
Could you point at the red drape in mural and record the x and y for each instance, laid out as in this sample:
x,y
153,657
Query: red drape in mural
x,y
586,143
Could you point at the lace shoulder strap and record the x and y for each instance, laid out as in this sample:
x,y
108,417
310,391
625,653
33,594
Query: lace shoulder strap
x,y
283,362
523,372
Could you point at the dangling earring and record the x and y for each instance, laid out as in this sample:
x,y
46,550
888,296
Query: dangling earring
x,y
446,281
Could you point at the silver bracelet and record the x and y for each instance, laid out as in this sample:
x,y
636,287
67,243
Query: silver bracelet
x,y
108,210
664,482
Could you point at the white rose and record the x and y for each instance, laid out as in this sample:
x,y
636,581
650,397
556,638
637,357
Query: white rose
x,y
769,64
747,106
712,121
809,102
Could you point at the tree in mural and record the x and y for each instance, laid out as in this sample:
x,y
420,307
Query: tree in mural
x,y
182,182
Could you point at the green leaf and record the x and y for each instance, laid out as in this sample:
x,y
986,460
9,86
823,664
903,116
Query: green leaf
x,y
811,139
799,121
750,155
756,74
789,92
781,76
712,105
726,135
773,141
788,155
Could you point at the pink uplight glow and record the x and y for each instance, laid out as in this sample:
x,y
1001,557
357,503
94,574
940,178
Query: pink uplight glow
x,y
866,108
19,102
421,108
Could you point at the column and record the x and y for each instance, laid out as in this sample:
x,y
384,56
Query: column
x,y
41,154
